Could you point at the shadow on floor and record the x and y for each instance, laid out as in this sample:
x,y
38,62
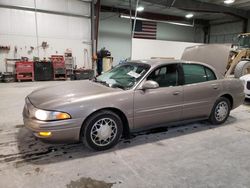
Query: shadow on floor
x,y
32,150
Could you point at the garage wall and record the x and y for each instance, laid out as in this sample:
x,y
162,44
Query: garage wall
x,y
225,33
114,34
179,33
61,32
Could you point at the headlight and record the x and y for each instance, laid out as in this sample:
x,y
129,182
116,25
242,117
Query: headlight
x,y
45,115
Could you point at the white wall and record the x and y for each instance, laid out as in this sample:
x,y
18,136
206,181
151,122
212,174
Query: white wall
x,y
145,49
18,28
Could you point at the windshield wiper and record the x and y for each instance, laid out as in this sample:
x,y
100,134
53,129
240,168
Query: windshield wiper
x,y
100,81
118,86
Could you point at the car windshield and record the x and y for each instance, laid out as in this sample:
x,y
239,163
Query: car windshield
x,y
244,41
123,76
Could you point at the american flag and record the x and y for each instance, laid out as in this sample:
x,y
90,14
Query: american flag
x,y
145,29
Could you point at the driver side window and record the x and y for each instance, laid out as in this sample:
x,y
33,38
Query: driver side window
x,y
165,76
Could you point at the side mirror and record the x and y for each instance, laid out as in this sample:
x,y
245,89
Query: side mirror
x,y
150,84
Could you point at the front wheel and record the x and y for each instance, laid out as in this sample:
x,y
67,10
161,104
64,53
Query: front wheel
x,y
220,111
102,130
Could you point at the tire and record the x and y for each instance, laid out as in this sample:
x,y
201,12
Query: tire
x,y
240,69
97,138
220,105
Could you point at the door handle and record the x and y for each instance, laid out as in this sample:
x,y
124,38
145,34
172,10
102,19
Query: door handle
x,y
176,93
215,86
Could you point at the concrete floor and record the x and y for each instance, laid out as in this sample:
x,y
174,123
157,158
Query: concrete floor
x,y
194,155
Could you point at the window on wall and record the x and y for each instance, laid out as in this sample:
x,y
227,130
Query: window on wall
x,y
197,73
165,76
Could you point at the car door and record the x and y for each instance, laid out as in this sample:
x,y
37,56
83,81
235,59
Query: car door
x,y
201,89
160,105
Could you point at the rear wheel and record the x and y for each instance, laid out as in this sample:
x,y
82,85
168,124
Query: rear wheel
x,y
241,69
102,130
220,111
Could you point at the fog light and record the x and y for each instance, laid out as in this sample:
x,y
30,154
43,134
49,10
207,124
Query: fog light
x,y
45,134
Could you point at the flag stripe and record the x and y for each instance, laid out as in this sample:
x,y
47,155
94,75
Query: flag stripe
x,y
149,30
148,26
145,30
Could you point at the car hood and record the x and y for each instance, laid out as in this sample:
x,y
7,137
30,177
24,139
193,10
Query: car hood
x,y
55,96
206,54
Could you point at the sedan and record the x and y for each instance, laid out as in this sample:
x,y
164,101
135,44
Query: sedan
x,y
131,97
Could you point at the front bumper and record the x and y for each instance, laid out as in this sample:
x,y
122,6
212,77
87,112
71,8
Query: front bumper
x,y
62,130
65,130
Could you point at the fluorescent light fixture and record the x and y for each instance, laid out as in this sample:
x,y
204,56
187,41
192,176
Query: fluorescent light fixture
x,y
159,21
229,1
190,15
140,8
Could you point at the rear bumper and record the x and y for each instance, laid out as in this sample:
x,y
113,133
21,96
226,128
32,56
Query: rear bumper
x,y
238,100
65,130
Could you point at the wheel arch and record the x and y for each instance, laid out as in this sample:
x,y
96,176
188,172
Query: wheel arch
x,y
121,114
230,98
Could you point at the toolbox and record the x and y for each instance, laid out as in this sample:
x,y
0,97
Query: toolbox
x,y
8,77
24,70
83,74
43,70
59,68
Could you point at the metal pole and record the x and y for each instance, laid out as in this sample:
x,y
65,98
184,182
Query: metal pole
x,y
93,31
135,17
37,42
130,15
97,19
131,23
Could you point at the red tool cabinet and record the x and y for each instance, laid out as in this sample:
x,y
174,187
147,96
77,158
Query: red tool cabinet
x,y
59,67
24,70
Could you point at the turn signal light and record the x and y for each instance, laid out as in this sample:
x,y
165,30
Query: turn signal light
x,y
45,134
62,116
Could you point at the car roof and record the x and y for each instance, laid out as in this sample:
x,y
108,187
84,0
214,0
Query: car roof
x,y
157,62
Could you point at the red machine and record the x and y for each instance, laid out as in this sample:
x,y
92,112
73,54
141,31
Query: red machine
x,y
24,70
58,67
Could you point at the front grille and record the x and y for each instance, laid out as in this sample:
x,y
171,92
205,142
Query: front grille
x,y
248,85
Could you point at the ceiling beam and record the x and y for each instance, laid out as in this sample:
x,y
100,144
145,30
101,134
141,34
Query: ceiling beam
x,y
194,5
149,15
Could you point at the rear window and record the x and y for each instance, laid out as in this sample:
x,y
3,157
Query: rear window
x,y
210,74
194,73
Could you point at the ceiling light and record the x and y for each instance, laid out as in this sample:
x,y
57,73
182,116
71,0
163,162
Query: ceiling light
x,y
189,15
140,8
159,21
229,1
